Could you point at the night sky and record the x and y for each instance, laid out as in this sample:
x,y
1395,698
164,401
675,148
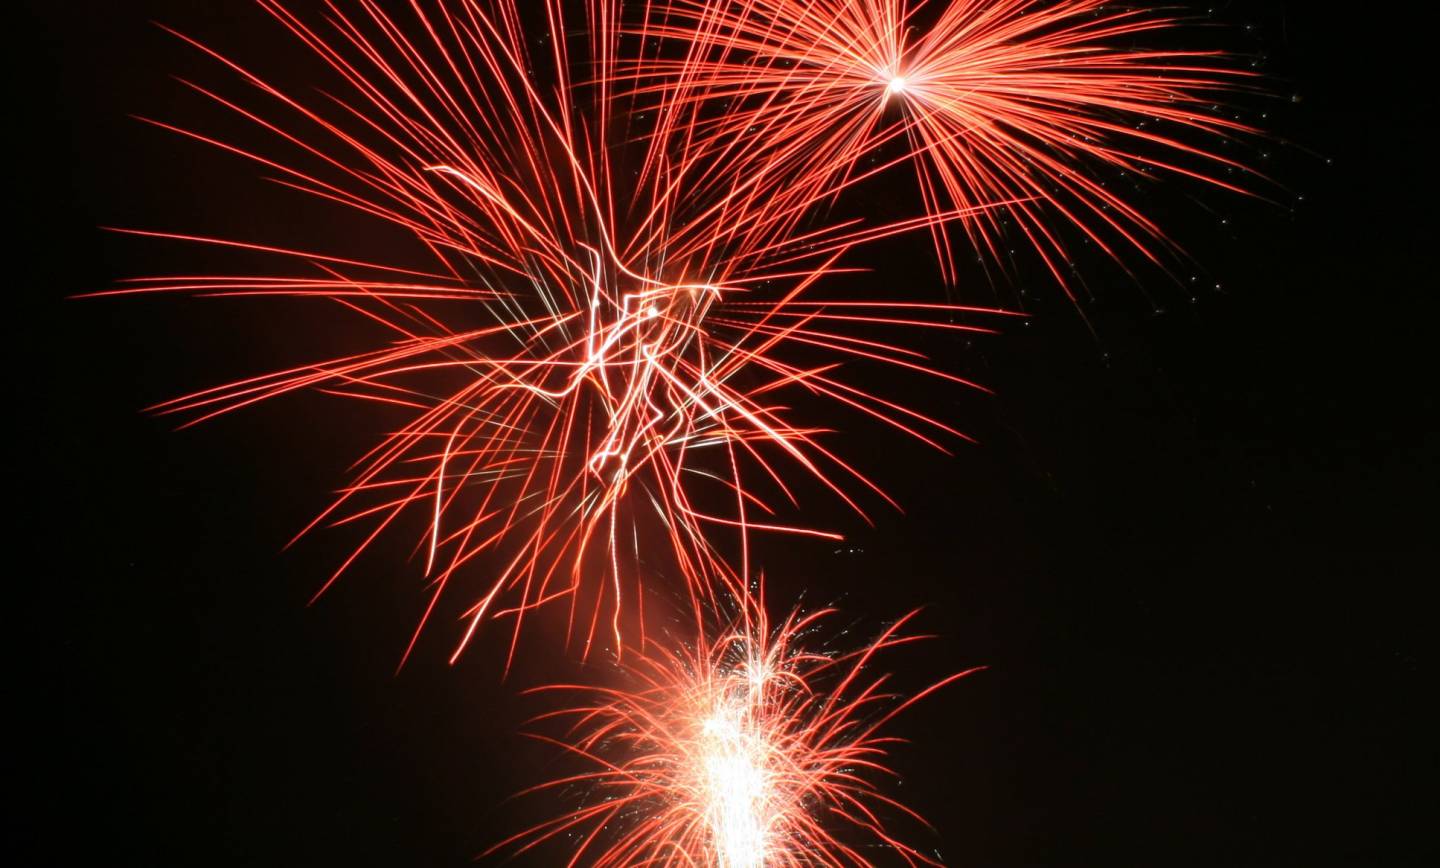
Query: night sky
x,y
1194,546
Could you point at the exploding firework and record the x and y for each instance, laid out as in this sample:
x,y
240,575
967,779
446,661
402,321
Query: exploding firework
x,y
743,752
1040,104
591,348
612,297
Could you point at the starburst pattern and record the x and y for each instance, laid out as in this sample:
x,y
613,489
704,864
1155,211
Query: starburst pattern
x,y
1037,104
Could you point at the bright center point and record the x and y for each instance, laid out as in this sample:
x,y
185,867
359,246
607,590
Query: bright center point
x,y
895,85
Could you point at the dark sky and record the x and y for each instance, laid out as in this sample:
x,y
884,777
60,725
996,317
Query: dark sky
x,y
1193,549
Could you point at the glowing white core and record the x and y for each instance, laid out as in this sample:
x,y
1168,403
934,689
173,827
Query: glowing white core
x,y
735,789
896,85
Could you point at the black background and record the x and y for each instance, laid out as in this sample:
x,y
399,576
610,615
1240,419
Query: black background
x,y
1194,551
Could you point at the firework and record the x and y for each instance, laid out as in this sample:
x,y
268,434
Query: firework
x,y
742,752
611,297
1045,105
590,350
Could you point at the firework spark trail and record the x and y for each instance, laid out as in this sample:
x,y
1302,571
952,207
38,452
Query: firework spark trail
x,y
593,347
1041,104
747,750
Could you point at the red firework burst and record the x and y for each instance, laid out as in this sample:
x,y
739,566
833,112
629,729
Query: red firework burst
x,y
1032,103
742,752
592,351
617,293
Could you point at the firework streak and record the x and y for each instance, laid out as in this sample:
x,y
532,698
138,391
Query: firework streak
x,y
621,229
